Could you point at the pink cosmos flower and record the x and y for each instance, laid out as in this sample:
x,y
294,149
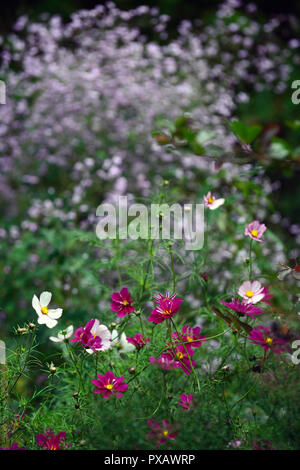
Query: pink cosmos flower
x,y
186,401
211,202
166,309
161,432
14,446
251,292
264,337
190,337
164,362
182,357
160,297
110,385
121,302
50,441
255,230
243,308
86,338
138,341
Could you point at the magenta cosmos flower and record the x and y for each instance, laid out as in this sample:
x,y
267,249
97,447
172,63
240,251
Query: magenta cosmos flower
x,y
161,432
110,385
164,362
211,202
182,357
255,230
251,292
85,336
186,401
264,337
190,337
138,341
14,446
50,441
121,302
243,308
166,309
160,297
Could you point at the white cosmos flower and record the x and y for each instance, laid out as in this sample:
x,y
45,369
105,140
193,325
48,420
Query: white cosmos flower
x,y
63,335
121,342
46,316
104,334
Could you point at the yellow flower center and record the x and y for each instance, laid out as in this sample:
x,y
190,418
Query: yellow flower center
x,y
125,302
189,338
109,386
44,310
254,233
165,433
249,293
210,200
269,341
167,312
179,354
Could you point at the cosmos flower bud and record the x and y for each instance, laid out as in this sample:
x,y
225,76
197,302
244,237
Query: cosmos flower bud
x,y
22,331
131,370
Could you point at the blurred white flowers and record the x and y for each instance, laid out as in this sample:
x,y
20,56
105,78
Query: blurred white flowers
x,y
46,316
63,335
121,342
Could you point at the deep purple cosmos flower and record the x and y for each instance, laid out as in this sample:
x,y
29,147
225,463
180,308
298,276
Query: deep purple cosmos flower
x,y
243,308
186,401
190,337
50,441
109,385
121,302
138,340
161,432
14,446
264,337
166,309
255,230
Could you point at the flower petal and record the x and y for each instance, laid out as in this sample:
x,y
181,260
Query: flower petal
x,y
45,298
